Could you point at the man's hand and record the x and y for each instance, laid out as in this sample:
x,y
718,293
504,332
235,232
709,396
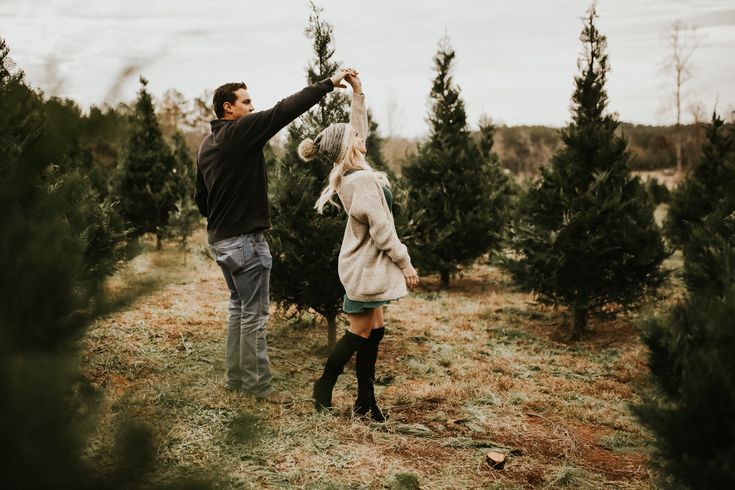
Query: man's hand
x,y
411,276
340,75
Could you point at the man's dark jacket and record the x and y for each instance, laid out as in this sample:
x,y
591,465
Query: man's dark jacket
x,y
232,182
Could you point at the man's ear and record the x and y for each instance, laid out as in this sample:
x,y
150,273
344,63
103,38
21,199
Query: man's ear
x,y
227,107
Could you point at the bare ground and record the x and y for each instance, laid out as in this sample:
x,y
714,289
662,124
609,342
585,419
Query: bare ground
x,y
462,372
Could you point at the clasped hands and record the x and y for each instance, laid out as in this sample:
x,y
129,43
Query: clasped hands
x,y
351,76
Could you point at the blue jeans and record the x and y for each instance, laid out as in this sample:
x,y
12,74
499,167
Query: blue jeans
x,y
246,264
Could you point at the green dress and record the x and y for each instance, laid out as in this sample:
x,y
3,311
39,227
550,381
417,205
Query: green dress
x,y
351,306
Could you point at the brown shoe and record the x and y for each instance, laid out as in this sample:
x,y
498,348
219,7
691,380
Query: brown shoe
x,y
275,398
233,388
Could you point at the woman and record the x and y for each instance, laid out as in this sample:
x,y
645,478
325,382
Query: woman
x,y
374,266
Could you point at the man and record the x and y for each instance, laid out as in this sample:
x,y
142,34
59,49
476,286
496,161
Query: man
x,y
232,193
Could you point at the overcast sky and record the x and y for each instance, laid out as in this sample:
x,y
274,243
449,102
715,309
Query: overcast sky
x,y
515,59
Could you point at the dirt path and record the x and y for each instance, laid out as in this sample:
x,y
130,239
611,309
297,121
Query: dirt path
x,y
463,372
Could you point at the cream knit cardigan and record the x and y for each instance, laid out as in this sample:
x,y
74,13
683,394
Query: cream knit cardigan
x,y
372,256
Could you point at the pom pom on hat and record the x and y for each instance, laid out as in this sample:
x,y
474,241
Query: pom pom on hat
x,y
307,150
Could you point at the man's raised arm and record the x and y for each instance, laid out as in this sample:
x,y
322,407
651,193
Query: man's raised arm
x,y
261,126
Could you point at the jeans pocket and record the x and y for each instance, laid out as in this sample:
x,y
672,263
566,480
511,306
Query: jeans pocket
x,y
230,256
263,251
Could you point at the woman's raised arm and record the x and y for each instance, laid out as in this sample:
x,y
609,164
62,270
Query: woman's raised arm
x,y
358,113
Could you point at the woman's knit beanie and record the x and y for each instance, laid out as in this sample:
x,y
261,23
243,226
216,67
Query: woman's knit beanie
x,y
332,143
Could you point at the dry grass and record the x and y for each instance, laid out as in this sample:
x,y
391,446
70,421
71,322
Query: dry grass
x,y
462,372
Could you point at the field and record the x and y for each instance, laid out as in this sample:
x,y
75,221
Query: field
x,y
474,369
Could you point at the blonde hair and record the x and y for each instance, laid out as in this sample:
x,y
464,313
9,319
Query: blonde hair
x,y
353,160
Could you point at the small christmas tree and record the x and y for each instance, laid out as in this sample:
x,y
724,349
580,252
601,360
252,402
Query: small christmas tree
x,y
457,194
702,211
374,145
146,185
691,408
305,245
585,236
185,216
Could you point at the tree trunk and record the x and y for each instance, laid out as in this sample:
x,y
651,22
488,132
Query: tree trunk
x,y
580,322
679,71
331,331
158,241
679,157
445,278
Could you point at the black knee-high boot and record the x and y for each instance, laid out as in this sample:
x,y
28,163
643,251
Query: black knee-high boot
x,y
367,355
343,350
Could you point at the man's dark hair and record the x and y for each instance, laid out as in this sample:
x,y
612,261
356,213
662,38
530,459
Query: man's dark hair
x,y
225,93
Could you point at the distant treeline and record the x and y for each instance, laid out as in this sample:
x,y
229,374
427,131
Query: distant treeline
x,y
523,149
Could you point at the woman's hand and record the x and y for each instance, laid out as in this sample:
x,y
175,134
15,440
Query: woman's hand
x,y
342,74
354,80
411,276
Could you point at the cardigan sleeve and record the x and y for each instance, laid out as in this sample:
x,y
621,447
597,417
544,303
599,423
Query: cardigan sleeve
x,y
358,115
367,207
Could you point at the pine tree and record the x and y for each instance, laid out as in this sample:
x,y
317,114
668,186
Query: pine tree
x,y
457,195
702,210
374,147
691,403
97,218
53,259
146,183
690,408
305,245
585,236
185,215
103,143
708,183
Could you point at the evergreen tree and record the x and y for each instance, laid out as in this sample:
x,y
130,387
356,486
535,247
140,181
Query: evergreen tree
x,y
457,195
690,408
305,245
510,189
147,187
487,139
97,218
374,147
710,181
104,136
657,191
702,210
271,160
711,243
173,115
585,236
50,277
185,215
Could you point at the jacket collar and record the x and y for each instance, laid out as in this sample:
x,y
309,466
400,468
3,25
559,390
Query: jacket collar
x,y
218,123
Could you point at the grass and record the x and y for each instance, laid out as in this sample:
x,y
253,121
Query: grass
x,y
571,477
462,372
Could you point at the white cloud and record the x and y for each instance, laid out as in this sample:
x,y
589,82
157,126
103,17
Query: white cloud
x,y
515,60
